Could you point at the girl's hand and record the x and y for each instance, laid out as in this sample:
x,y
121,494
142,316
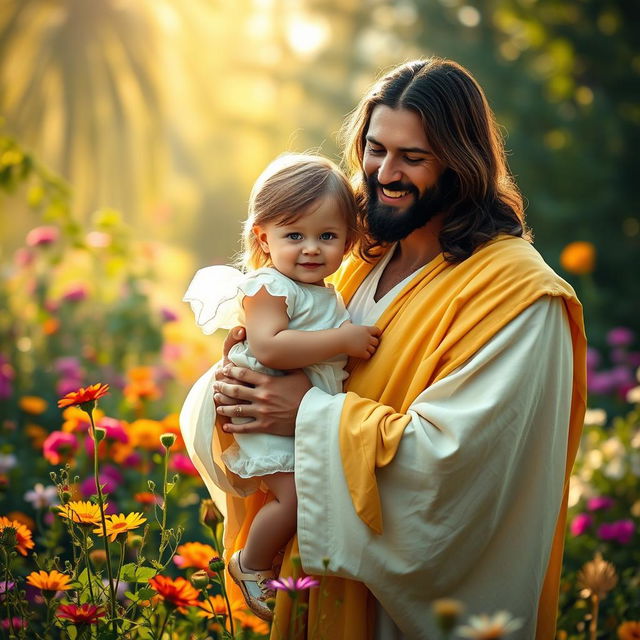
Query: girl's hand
x,y
272,401
235,335
360,341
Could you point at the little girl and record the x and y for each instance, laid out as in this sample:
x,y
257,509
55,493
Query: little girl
x,y
302,221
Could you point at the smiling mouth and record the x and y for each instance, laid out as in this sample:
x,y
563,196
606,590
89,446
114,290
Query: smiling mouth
x,y
395,195
310,265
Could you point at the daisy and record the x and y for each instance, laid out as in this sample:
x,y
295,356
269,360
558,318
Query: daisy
x,y
80,512
84,395
484,627
52,581
23,540
117,524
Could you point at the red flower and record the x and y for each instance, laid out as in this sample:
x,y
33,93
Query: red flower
x,y
83,614
179,592
84,395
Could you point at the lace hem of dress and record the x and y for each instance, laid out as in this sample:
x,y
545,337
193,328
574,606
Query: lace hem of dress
x,y
244,467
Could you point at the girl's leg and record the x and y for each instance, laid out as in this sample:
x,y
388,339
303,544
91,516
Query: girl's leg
x,y
273,526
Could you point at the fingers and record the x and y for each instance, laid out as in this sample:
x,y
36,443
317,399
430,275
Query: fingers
x,y
237,334
231,394
245,376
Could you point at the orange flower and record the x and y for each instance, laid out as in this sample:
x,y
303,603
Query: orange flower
x,y
50,326
33,405
212,606
147,498
84,395
629,630
194,554
578,258
23,540
36,434
178,593
52,581
117,524
81,512
141,385
247,620
83,614
22,518
146,433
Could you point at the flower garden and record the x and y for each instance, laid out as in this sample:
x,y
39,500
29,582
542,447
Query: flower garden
x,y
105,526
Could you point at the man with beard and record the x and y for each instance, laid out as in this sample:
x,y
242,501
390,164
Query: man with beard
x,y
442,470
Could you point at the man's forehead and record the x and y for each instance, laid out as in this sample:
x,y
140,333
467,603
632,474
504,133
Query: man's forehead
x,y
400,128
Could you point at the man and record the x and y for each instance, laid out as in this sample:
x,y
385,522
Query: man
x,y
442,470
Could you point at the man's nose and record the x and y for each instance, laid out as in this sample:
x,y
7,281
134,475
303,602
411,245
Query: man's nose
x,y
388,171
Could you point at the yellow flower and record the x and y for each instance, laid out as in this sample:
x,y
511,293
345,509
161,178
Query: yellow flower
x,y
36,434
578,258
22,541
75,419
597,577
146,433
629,630
33,405
117,524
81,512
52,581
251,622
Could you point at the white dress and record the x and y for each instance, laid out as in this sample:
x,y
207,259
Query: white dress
x,y
216,295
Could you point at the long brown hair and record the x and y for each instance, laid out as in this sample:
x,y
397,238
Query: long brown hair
x,y
463,135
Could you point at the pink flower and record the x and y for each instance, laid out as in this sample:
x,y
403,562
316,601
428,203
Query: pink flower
x,y
42,236
98,239
67,385
580,524
76,293
600,503
620,337
292,585
7,375
110,479
593,358
168,315
58,446
23,257
16,623
600,382
182,464
620,531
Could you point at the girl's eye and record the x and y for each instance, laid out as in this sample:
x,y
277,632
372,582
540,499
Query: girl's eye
x,y
327,235
374,151
294,236
414,160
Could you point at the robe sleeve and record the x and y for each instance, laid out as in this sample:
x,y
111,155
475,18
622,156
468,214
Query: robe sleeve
x,y
478,477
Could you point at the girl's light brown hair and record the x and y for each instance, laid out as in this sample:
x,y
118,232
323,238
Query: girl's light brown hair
x,y
285,190
463,134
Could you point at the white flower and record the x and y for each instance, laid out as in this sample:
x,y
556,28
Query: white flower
x,y
612,448
595,417
484,627
7,462
615,469
41,497
635,440
633,395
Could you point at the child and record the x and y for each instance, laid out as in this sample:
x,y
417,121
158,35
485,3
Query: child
x,y
302,221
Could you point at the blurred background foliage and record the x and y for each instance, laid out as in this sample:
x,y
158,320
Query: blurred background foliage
x,y
167,110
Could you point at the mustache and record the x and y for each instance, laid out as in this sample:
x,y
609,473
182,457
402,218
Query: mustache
x,y
373,184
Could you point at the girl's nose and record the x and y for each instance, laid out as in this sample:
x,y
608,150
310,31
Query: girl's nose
x,y
310,247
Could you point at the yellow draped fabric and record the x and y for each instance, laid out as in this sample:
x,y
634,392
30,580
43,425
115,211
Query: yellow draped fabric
x,y
435,324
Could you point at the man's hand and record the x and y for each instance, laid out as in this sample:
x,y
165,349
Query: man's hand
x,y
360,341
272,401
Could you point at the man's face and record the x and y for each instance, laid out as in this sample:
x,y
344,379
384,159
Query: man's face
x,y
402,175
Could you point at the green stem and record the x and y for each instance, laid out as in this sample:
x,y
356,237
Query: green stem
x,y
164,624
103,520
226,599
85,548
593,625
6,594
293,617
120,563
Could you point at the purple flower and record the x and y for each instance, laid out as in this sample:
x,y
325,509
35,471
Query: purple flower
x,y
293,585
67,385
6,586
168,315
68,366
42,236
620,531
110,479
593,358
600,503
620,337
580,524
600,382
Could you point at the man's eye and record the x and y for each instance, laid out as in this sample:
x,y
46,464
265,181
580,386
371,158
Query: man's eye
x,y
327,235
294,236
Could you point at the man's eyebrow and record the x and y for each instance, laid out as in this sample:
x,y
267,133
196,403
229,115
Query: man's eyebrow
x,y
370,138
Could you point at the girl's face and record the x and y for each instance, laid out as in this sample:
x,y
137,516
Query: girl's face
x,y
310,248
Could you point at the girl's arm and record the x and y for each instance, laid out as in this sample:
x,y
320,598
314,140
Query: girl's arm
x,y
278,347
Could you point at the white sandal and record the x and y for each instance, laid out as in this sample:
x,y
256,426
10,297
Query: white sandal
x,y
253,587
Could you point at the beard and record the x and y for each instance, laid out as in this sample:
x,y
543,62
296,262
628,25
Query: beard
x,y
386,224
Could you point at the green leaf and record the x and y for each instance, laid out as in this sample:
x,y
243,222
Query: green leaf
x,y
134,597
145,593
129,573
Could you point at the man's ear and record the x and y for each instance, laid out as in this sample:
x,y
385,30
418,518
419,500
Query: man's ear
x,y
261,237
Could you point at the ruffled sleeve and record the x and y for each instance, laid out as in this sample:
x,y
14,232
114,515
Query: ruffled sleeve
x,y
215,294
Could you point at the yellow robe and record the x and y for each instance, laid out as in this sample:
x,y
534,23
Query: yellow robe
x,y
435,324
